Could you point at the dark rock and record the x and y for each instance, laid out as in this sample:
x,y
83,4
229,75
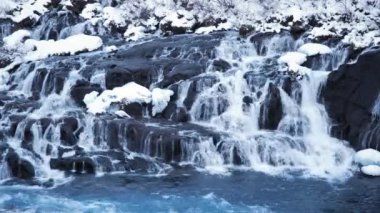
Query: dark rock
x,y
79,5
271,111
5,60
135,110
221,65
19,168
174,113
139,71
246,30
69,131
74,164
81,89
350,94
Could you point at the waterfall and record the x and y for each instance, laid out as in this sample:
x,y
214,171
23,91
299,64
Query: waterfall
x,y
245,112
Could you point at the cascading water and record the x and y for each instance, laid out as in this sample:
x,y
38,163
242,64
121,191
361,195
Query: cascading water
x,y
244,111
236,105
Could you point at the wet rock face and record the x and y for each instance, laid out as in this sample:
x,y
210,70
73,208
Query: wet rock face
x,y
19,168
271,111
350,95
57,22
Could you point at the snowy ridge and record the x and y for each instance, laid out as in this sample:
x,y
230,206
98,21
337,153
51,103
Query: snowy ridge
x,y
355,21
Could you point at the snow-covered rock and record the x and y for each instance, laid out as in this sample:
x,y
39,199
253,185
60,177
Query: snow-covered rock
x,y
70,45
134,33
160,99
371,170
114,16
311,49
367,157
293,58
129,93
15,40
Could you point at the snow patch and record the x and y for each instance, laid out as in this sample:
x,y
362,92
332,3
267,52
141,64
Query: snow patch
x,y
160,99
70,45
311,49
367,157
134,33
14,41
371,170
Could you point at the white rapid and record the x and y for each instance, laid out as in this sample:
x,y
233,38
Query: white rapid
x,y
300,144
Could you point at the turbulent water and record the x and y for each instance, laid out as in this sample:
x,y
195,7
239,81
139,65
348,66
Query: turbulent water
x,y
257,135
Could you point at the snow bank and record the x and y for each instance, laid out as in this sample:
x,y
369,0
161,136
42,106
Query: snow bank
x,y
70,45
160,99
367,157
129,93
15,40
371,170
311,49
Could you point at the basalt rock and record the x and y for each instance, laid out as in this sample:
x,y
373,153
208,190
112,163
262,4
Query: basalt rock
x,y
271,111
19,167
350,94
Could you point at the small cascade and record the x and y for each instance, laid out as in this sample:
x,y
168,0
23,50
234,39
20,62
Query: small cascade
x,y
370,138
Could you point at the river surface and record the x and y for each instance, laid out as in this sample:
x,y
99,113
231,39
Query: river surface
x,y
191,191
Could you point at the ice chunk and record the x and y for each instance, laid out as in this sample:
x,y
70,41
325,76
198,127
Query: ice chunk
x,y
15,40
160,99
311,49
371,170
70,45
368,157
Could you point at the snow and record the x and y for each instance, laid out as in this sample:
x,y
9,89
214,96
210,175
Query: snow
x,y
91,10
371,170
181,18
311,49
14,40
160,99
293,58
6,6
114,16
367,157
134,33
31,9
122,114
126,94
129,93
70,45
109,49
